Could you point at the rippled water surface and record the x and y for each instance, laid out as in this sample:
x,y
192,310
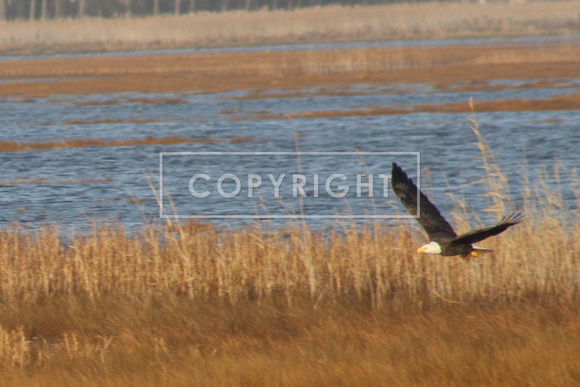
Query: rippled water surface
x,y
73,185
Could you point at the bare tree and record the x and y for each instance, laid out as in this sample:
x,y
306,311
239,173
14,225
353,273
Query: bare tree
x,y
191,5
155,7
43,12
2,10
177,7
32,9
225,5
248,5
81,8
57,8
127,6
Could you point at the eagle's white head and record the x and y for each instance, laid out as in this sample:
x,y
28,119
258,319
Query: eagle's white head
x,y
430,248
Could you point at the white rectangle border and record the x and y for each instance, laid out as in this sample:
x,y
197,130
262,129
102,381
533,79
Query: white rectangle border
x,y
297,216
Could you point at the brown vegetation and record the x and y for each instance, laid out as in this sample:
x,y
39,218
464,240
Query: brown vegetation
x,y
374,89
40,181
11,146
142,101
437,20
107,121
214,307
199,305
150,341
566,102
462,65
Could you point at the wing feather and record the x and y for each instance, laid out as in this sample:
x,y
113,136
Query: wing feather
x,y
438,229
484,233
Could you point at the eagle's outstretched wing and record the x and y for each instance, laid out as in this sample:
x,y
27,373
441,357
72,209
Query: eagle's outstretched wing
x,y
430,218
484,233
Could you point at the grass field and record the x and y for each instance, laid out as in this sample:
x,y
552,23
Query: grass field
x,y
435,20
193,304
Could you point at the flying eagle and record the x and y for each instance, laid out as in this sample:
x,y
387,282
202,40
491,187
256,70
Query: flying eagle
x,y
444,241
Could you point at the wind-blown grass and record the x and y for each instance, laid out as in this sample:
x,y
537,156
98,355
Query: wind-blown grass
x,y
190,303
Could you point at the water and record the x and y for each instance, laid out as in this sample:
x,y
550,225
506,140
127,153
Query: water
x,y
519,40
74,186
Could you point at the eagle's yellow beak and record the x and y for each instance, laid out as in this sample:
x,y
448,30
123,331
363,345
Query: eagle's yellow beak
x,y
421,250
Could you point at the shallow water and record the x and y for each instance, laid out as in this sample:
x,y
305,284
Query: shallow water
x,y
73,186
519,40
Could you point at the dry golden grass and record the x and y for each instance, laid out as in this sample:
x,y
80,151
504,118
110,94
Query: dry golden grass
x,y
180,342
11,146
192,304
435,20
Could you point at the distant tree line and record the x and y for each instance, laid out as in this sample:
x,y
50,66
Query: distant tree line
x,y
54,9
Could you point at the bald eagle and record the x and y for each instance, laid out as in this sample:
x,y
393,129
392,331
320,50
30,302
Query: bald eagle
x,y
444,241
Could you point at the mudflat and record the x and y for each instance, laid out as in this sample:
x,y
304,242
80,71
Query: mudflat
x,y
456,67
